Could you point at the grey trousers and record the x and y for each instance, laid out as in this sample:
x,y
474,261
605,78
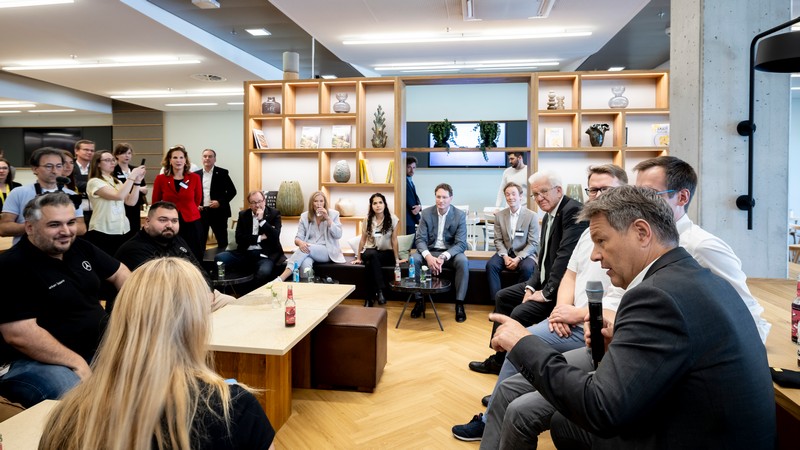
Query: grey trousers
x,y
519,413
459,264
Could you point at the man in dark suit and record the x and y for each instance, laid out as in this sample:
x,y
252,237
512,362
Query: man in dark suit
x,y
258,237
218,191
413,205
560,234
441,240
684,366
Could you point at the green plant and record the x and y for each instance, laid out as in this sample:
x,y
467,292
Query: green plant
x,y
488,132
443,133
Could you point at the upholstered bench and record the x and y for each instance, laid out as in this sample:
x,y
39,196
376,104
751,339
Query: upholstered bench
x,y
348,349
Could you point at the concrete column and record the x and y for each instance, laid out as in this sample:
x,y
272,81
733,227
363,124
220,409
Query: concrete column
x,y
709,63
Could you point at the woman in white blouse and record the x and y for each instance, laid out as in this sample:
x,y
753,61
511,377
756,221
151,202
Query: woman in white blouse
x,y
108,197
378,247
317,237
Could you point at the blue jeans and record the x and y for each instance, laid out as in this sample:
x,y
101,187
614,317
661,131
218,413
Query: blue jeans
x,y
28,382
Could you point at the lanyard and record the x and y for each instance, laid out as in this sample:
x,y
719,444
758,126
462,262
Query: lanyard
x,y
4,194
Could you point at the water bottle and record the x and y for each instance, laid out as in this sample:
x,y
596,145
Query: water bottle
x,y
397,275
296,273
290,316
220,270
412,271
423,274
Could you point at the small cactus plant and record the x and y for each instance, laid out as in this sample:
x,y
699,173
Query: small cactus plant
x,y
379,136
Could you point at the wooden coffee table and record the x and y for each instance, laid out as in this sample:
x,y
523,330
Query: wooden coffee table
x,y
431,286
252,345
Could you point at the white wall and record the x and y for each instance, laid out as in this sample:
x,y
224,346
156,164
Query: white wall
x,y
219,130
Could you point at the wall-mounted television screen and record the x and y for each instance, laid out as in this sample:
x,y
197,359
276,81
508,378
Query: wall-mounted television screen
x,y
63,138
466,136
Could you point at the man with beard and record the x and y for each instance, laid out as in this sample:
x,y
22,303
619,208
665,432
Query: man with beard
x,y
51,332
159,238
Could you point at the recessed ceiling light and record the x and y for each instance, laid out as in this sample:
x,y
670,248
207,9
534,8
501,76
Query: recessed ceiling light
x,y
329,77
477,65
190,104
616,69
10,112
22,3
50,110
97,64
180,95
235,103
258,31
421,39
17,105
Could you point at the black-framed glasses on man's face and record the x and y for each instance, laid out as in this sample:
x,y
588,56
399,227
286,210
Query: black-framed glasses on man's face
x,y
257,202
542,193
595,190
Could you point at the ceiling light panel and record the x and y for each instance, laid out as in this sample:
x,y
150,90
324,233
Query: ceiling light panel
x,y
24,3
258,31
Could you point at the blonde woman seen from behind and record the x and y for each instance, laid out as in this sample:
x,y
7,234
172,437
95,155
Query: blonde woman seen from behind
x,y
151,385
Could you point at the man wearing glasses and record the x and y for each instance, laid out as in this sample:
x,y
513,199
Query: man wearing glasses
x,y
47,164
258,237
538,295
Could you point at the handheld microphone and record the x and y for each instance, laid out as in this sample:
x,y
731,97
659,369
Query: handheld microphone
x,y
63,180
594,290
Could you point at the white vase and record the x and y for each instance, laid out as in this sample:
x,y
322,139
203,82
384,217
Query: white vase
x,y
345,207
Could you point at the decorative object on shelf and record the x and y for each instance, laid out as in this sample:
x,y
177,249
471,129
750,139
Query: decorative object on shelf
x,y
618,101
340,136
553,137
290,198
379,135
341,172
560,102
363,171
309,138
443,133
260,138
551,100
345,207
341,106
270,106
575,192
661,134
597,133
488,132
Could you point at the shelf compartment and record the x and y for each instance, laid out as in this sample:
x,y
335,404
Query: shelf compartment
x,y
566,85
645,130
302,97
643,89
328,92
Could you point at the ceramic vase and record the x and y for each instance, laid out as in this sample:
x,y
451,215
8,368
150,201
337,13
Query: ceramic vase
x,y
290,198
345,207
341,106
551,100
270,106
341,172
597,133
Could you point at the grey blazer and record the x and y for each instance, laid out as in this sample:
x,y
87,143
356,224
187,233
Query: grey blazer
x,y
524,239
455,230
332,234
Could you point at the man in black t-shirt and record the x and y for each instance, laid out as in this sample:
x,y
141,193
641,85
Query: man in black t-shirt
x,y
51,332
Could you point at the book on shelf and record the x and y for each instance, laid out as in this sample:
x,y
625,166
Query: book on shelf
x,y
340,136
272,198
363,171
309,138
661,134
390,173
260,138
553,137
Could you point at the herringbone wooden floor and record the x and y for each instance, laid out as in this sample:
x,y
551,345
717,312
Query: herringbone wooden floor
x,y
426,388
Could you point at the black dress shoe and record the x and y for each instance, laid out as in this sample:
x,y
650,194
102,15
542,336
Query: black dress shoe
x,y
380,298
461,315
485,400
367,303
489,365
419,309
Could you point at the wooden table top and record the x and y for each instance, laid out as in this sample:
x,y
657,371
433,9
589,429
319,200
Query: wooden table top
x,y
23,431
5,243
776,296
252,325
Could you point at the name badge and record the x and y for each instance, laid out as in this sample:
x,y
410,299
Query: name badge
x,y
519,233
183,185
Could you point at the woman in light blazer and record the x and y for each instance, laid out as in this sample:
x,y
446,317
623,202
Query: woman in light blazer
x,y
317,237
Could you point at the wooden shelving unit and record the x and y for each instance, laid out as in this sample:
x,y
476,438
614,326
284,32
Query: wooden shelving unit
x,y
309,103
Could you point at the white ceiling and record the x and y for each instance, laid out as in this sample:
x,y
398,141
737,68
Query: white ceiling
x,y
95,30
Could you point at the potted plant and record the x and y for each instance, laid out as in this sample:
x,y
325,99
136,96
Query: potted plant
x,y
488,132
443,133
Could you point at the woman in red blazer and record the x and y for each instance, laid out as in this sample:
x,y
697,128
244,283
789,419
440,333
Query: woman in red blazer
x,y
185,189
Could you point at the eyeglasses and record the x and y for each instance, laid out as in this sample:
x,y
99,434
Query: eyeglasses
x,y
52,166
668,191
594,191
542,193
260,202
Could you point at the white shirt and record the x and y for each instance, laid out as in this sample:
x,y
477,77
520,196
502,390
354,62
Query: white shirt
x,y
440,230
207,186
84,170
587,270
513,218
519,176
717,256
